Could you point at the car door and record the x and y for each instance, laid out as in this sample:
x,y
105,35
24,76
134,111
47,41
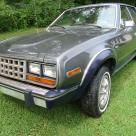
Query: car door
x,y
132,11
126,42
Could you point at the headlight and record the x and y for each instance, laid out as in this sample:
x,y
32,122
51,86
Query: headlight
x,y
34,68
49,71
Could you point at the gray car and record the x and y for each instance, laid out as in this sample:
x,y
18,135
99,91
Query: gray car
x,y
73,59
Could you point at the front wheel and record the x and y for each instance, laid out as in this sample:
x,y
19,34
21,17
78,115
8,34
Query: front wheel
x,y
95,102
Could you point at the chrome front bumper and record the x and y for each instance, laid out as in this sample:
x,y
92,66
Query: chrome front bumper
x,y
20,91
21,96
34,95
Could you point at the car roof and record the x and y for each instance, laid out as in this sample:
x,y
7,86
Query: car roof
x,y
100,4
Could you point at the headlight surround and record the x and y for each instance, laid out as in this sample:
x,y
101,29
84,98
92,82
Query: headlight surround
x,y
49,71
34,68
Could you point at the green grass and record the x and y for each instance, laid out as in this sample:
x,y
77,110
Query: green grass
x,y
67,120
7,35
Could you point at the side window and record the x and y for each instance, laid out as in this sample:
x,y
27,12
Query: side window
x,y
125,16
133,13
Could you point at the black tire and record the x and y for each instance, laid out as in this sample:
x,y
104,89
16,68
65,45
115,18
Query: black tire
x,y
134,58
90,102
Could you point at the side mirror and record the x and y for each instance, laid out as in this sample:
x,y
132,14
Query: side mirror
x,y
129,23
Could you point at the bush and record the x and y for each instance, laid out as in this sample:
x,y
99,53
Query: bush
x,y
7,19
33,13
18,14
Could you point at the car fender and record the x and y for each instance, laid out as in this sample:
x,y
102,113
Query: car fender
x,y
94,64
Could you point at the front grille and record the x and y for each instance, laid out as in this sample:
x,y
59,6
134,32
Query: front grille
x,y
13,68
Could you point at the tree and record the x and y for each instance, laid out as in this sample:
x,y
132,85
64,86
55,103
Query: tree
x,y
83,2
94,1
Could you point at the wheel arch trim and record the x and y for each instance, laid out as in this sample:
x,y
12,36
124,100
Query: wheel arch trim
x,y
112,55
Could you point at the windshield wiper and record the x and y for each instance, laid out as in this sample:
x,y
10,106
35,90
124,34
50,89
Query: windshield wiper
x,y
85,24
93,25
58,26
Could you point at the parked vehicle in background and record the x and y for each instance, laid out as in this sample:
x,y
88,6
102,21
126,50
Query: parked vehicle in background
x,y
73,59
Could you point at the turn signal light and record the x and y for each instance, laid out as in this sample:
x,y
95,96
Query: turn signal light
x,y
74,72
46,81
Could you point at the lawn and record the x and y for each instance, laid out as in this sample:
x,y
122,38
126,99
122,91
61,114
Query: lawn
x,y
67,120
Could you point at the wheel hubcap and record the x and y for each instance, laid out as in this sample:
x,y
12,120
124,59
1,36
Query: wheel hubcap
x,y
104,91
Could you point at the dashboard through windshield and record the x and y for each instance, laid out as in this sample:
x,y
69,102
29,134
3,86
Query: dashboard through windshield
x,y
95,16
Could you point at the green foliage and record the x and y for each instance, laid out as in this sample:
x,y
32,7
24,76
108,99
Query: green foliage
x,y
18,14
11,19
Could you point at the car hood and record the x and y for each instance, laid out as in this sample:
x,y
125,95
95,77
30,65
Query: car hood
x,y
47,44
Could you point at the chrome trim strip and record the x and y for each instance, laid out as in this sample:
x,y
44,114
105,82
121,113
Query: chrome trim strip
x,y
21,86
117,21
36,94
40,102
36,91
20,96
53,98
90,63
12,93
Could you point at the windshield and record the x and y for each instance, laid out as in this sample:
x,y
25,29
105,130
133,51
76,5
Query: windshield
x,y
98,16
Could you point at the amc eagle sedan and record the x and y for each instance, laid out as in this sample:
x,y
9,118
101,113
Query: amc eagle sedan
x,y
73,59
